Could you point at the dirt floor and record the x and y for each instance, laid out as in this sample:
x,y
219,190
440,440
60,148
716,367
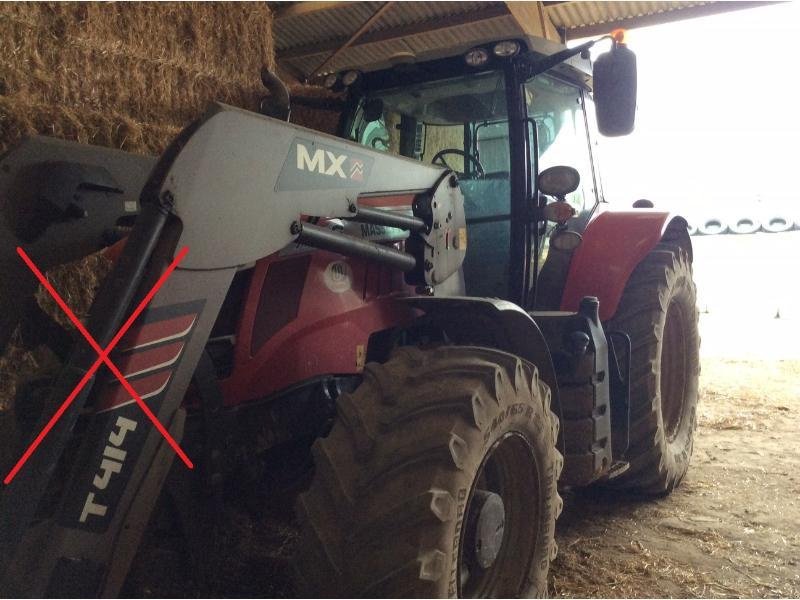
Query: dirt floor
x,y
732,529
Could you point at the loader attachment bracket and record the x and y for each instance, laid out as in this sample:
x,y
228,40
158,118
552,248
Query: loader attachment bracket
x,y
59,193
59,200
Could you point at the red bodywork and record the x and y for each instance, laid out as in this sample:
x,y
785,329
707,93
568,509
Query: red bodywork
x,y
303,319
305,314
327,336
613,244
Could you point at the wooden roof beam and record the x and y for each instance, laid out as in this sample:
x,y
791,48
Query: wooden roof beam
x,y
353,38
296,9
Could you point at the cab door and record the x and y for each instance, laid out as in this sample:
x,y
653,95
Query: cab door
x,y
561,136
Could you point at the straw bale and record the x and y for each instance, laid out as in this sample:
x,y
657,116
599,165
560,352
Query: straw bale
x,y
314,118
121,75
20,117
127,75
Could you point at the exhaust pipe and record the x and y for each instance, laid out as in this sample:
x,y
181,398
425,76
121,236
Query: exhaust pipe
x,y
277,104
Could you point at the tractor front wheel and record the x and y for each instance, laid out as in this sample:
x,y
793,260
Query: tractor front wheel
x,y
437,480
658,311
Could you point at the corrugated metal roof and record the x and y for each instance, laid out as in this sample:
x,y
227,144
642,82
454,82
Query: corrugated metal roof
x,y
378,54
574,15
323,25
303,41
341,21
308,33
406,13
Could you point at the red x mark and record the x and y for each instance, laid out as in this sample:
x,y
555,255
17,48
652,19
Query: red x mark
x,y
102,358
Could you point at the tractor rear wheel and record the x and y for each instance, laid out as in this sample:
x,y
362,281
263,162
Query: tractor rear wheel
x,y
658,311
437,480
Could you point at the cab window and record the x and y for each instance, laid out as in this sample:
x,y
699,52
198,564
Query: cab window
x,y
460,123
561,134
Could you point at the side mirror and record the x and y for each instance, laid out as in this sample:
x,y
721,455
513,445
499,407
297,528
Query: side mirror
x,y
614,75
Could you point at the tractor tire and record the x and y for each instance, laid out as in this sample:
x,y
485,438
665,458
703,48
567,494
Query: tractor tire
x,y
658,311
438,479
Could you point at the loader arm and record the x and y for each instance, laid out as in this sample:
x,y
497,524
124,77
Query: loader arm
x,y
233,188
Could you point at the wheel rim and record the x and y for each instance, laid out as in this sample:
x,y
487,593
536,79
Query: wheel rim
x,y
500,526
674,357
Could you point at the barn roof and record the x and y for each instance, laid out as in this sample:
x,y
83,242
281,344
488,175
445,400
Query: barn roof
x,y
317,36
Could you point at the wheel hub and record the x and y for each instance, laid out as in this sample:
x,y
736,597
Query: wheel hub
x,y
489,527
499,536
674,368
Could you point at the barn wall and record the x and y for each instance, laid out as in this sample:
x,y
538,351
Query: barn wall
x,y
126,75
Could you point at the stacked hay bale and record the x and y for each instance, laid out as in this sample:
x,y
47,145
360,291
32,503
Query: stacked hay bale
x,y
126,75
121,75
317,118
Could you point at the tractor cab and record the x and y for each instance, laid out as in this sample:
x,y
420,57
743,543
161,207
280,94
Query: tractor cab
x,y
484,115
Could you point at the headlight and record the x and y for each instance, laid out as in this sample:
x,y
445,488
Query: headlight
x,y
330,80
476,57
506,49
350,77
558,212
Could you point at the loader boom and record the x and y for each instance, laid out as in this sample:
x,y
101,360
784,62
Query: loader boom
x,y
233,171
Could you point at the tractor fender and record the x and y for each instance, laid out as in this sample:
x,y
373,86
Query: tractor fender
x,y
614,243
492,323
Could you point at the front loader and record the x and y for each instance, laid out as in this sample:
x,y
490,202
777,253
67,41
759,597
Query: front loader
x,y
432,303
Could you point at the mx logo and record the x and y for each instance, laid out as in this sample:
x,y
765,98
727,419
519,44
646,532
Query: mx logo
x,y
356,169
322,161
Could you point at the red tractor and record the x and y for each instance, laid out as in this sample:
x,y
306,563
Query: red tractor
x,y
437,308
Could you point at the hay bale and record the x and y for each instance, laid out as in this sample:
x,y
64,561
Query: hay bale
x,y
126,75
120,75
77,283
314,118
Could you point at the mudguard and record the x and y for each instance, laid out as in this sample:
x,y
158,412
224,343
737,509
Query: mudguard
x,y
613,244
493,323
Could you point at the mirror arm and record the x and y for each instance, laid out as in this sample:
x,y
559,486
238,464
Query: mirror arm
x,y
529,67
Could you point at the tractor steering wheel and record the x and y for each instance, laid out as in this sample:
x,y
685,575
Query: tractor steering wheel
x,y
479,171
